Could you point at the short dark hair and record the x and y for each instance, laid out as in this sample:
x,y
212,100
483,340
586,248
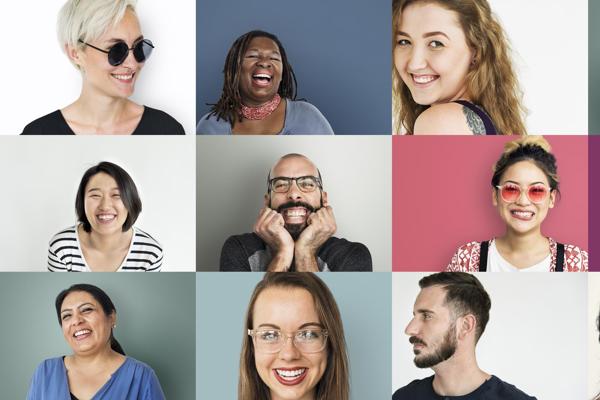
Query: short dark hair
x,y
230,104
529,148
128,191
464,295
101,297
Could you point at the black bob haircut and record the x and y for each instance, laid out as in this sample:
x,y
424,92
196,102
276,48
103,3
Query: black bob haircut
x,y
128,191
100,296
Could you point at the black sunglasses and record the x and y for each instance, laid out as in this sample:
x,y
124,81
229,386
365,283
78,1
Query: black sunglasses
x,y
119,51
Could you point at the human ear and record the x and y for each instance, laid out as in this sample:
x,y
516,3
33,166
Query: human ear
x,y
467,325
73,53
494,197
324,199
552,199
267,201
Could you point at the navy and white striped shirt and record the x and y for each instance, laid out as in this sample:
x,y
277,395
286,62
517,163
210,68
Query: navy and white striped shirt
x,y
64,253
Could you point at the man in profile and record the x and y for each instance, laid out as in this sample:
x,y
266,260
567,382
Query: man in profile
x,y
449,317
294,230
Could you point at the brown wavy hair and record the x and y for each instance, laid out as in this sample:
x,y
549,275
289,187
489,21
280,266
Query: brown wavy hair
x,y
491,83
334,382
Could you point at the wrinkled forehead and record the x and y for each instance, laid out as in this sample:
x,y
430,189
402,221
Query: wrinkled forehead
x,y
294,166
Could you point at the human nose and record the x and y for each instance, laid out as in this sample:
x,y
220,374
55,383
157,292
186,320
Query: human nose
x,y
417,59
294,193
523,199
412,328
289,351
130,60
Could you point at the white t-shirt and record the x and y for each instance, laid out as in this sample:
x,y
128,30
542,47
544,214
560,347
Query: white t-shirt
x,y
496,263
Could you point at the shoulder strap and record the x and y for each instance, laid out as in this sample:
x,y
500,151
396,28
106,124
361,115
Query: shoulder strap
x,y
490,129
483,255
560,257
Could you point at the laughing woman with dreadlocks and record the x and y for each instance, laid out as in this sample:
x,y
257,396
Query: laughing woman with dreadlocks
x,y
259,94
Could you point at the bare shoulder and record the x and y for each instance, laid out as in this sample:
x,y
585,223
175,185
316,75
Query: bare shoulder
x,y
449,119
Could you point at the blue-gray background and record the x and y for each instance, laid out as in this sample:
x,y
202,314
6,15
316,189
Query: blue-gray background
x,y
155,324
364,301
340,51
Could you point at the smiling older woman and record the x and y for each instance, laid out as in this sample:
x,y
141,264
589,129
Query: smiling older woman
x,y
98,367
107,205
259,93
104,41
524,189
312,364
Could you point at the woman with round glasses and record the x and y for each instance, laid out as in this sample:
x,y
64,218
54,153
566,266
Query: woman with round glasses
x,y
259,93
98,367
107,205
104,41
294,348
452,70
525,185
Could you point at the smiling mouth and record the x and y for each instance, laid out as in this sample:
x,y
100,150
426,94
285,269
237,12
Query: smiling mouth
x,y
423,79
522,215
106,218
126,78
290,377
82,334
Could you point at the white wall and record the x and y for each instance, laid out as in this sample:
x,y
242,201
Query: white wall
x,y
592,332
534,339
37,78
39,187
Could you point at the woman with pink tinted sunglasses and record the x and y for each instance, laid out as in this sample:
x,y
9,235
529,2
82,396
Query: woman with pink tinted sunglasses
x,y
524,186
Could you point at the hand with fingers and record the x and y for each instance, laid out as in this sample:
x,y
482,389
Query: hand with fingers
x,y
270,227
321,226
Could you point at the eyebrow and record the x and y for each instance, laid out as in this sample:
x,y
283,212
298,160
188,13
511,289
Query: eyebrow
x,y
299,328
517,183
98,189
256,49
423,311
117,40
79,306
425,35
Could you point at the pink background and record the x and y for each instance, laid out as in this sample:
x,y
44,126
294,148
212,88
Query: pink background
x,y
442,196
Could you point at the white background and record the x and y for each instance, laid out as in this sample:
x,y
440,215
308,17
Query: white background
x,y
534,339
232,182
550,44
37,78
592,330
39,188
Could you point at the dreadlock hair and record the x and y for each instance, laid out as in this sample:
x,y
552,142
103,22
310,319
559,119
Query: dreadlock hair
x,y
229,105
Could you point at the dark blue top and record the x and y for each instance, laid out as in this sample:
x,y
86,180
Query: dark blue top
x,y
492,389
133,380
490,129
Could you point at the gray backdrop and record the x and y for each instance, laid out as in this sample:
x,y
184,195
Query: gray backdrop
x,y
364,301
231,184
155,324
339,50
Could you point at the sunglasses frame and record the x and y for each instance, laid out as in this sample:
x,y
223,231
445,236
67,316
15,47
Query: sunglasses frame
x,y
548,191
141,42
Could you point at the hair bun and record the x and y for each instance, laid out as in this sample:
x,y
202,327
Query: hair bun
x,y
537,141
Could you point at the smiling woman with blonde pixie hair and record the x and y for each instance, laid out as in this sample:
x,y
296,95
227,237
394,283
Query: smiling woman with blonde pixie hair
x,y
104,41
452,71
293,346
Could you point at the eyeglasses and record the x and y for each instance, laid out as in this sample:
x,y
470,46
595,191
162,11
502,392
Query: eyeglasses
x,y
117,54
271,341
536,193
307,184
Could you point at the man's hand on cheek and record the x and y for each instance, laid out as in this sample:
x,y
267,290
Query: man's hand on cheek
x,y
270,227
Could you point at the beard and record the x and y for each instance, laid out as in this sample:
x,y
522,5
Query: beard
x,y
441,353
296,229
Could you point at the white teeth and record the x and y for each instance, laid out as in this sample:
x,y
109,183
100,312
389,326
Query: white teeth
x,y
296,213
291,374
123,77
81,332
262,76
423,78
106,217
524,214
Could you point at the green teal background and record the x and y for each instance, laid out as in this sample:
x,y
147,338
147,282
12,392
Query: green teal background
x,y
593,67
155,324
365,304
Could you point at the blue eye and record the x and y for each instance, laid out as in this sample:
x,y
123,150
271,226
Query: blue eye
x,y
269,336
435,44
403,42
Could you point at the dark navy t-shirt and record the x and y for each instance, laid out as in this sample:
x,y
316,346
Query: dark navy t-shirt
x,y
492,389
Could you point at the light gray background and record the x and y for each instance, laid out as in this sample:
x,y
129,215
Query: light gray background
x,y
339,50
535,338
39,188
231,184
37,78
592,331
364,301
155,324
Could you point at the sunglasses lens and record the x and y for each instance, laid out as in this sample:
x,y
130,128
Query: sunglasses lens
x,y
117,54
510,193
537,193
142,50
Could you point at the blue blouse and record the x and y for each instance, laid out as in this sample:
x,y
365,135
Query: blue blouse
x,y
133,380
